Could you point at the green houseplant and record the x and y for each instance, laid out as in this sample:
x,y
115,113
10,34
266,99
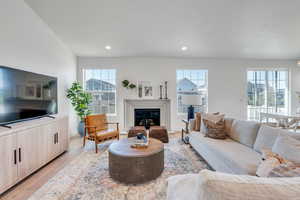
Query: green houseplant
x,y
80,100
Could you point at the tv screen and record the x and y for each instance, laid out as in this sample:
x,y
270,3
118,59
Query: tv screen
x,y
26,95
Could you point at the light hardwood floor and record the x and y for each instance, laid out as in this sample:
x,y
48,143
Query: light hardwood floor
x,y
27,187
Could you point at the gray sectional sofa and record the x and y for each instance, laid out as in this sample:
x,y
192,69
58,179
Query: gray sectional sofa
x,y
240,152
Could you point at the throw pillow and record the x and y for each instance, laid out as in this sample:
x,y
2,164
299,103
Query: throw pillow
x,y
285,170
203,128
197,126
288,148
270,161
215,126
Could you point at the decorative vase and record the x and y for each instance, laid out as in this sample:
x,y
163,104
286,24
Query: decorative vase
x,y
80,128
160,91
140,91
166,89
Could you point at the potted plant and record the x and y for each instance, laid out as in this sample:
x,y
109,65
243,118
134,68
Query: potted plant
x,y
80,100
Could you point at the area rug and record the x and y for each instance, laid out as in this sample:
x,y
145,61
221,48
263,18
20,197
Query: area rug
x,y
87,177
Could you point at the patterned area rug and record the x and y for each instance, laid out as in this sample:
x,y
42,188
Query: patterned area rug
x,y
87,177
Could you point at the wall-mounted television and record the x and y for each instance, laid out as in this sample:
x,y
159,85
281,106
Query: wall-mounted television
x,y
26,95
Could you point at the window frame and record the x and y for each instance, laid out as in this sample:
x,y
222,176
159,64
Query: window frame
x,y
190,69
267,69
93,92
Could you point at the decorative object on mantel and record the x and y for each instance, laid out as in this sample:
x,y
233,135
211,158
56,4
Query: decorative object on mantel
x,y
166,89
126,84
160,91
298,94
145,90
80,100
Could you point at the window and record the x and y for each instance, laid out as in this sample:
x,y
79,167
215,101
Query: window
x,y
101,83
268,91
191,82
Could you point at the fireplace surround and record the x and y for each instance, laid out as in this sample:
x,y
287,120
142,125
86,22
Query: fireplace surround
x,y
130,105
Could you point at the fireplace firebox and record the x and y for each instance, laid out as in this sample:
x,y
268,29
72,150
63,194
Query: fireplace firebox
x,y
147,117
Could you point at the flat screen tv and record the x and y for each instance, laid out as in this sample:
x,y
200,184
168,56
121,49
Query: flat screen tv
x,y
26,95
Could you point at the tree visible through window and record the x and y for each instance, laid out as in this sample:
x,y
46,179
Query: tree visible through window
x,y
191,82
101,83
268,91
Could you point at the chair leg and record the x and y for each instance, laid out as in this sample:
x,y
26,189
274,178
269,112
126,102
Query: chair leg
x,y
96,146
84,141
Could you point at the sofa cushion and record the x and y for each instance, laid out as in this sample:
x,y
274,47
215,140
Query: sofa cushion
x,y
265,138
244,132
226,155
267,135
221,186
288,148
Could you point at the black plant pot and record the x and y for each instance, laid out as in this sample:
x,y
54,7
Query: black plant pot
x,y
81,129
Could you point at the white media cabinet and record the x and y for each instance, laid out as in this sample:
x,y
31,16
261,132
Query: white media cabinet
x,y
28,146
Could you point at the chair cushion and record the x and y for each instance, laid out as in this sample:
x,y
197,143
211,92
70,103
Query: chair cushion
x,y
244,132
226,155
108,133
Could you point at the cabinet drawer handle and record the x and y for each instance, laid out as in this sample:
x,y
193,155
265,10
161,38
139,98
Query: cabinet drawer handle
x,y
15,156
56,137
20,155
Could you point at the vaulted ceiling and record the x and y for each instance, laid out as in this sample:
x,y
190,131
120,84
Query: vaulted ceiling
x,y
267,29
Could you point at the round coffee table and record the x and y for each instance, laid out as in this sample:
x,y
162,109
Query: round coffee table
x,y
130,165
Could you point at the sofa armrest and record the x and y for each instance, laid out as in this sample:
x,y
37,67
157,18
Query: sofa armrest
x,y
183,187
222,186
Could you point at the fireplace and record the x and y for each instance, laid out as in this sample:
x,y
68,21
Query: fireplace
x,y
147,117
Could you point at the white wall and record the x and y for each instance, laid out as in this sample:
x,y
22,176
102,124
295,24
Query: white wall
x,y
226,80
27,43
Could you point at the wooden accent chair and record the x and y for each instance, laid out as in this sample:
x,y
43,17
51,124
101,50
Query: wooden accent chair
x,y
96,129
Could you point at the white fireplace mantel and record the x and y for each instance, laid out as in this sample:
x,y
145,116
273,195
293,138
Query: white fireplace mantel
x,y
131,104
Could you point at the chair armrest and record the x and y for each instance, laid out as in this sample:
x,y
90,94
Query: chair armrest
x,y
112,123
89,127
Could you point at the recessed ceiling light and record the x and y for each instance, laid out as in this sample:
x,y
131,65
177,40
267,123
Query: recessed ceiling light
x,y
184,48
107,47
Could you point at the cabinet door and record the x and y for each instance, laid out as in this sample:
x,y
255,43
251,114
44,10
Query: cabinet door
x,y
8,163
53,147
63,132
32,151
